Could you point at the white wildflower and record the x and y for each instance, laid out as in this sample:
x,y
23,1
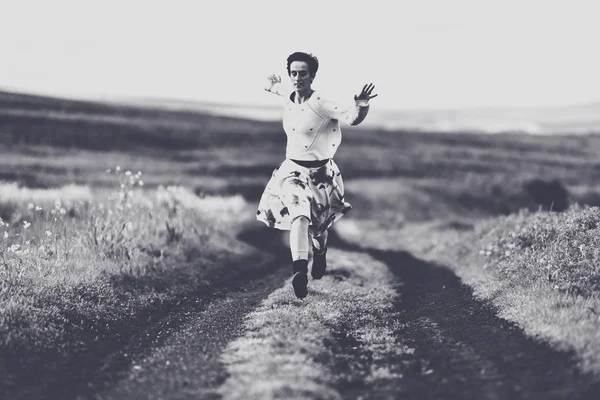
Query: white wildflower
x,y
41,248
141,183
13,248
30,206
63,211
26,224
118,168
128,173
48,233
5,235
38,208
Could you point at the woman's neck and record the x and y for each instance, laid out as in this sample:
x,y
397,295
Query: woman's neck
x,y
301,97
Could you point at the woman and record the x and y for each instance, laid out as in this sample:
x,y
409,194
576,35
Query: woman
x,y
305,194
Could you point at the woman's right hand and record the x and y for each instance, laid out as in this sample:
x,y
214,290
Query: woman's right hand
x,y
272,80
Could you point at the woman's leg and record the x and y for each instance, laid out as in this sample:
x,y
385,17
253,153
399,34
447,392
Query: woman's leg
x,y
299,248
299,239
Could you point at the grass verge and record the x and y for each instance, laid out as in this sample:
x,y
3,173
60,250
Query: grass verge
x,y
289,346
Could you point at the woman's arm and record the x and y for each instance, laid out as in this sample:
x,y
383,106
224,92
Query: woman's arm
x,y
273,84
352,115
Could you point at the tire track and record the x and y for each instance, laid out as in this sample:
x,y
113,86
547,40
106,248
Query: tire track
x,y
187,365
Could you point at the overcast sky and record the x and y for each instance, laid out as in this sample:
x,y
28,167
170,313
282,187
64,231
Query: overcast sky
x,y
419,54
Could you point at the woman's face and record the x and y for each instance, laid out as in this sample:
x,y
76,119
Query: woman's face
x,y
300,76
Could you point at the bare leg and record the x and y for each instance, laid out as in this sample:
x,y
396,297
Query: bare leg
x,y
299,249
299,239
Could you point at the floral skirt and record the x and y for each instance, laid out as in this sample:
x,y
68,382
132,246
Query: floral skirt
x,y
296,191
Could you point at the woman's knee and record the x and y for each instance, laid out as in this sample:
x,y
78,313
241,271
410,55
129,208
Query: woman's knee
x,y
301,221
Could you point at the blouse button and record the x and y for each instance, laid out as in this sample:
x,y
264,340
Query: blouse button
x,y
311,129
293,129
336,108
334,130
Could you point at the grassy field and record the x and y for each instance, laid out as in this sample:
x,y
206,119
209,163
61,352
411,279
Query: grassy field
x,y
77,240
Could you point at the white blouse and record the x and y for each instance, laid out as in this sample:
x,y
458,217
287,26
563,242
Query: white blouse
x,y
313,127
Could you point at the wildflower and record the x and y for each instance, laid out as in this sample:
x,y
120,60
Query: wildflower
x,y
48,233
30,206
26,224
128,173
41,248
38,208
130,194
14,248
122,186
5,235
141,183
108,170
118,168
63,211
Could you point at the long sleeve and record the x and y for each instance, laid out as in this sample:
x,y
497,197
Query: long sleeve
x,y
351,114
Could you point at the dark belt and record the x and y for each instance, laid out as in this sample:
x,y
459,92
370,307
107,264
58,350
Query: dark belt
x,y
311,164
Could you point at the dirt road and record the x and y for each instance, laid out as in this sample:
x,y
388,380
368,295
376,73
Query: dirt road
x,y
379,325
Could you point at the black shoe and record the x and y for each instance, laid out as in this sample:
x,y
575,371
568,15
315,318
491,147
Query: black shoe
x,y
300,279
319,263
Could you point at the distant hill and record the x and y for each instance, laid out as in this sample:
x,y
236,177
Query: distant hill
x,y
106,125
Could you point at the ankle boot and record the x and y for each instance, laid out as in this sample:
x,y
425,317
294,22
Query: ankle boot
x,y
319,263
300,279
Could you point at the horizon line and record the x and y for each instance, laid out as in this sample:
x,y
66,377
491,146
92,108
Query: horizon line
x,y
132,99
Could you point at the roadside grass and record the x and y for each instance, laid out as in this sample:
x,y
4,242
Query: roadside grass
x,y
74,258
541,270
545,274
290,348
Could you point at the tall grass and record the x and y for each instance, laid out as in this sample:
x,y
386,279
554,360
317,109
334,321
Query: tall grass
x,y
75,251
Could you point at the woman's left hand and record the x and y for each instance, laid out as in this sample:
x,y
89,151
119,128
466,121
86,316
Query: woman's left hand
x,y
365,94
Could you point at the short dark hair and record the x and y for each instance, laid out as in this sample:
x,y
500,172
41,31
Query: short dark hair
x,y
312,61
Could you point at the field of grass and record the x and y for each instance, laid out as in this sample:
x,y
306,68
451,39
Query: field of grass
x,y
452,197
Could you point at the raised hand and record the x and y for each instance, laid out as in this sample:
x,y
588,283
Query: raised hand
x,y
365,94
272,80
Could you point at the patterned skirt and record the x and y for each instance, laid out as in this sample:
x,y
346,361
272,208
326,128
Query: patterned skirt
x,y
296,191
